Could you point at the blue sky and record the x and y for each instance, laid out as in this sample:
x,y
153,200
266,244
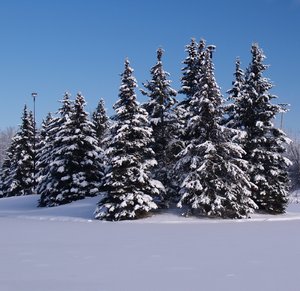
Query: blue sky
x,y
55,46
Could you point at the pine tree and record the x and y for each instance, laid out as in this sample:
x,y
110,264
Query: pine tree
x,y
264,143
160,108
74,168
17,169
215,182
130,187
101,121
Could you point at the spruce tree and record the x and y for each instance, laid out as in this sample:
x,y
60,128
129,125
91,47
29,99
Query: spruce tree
x,y
6,179
190,70
160,108
17,169
101,122
88,157
52,177
42,155
264,143
74,168
215,182
235,95
130,189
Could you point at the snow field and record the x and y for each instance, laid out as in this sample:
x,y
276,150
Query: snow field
x,y
62,248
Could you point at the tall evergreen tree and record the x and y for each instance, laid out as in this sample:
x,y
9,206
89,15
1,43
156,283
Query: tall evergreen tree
x,y
74,170
17,170
215,182
130,187
160,108
192,73
264,143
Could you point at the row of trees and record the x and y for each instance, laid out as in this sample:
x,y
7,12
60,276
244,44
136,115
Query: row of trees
x,y
211,158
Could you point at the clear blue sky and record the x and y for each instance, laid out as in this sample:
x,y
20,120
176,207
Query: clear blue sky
x,y
55,46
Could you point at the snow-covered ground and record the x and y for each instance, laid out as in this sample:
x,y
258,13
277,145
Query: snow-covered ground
x,y
63,248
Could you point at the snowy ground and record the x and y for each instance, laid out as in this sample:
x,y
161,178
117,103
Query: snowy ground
x,y
63,248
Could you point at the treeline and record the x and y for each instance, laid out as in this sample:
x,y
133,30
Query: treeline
x,y
211,157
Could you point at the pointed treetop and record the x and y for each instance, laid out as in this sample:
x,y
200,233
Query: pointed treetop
x,y
66,107
80,100
160,52
201,45
237,64
239,73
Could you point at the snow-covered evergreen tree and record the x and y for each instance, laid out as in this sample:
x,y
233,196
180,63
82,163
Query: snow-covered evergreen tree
x,y
50,181
215,182
235,94
160,108
88,157
101,121
43,150
190,70
6,179
128,181
6,136
17,169
74,169
264,143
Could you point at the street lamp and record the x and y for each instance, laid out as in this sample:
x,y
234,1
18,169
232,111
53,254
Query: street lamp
x,y
34,95
283,107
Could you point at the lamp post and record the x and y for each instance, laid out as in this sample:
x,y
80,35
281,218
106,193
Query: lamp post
x,y
284,109
34,95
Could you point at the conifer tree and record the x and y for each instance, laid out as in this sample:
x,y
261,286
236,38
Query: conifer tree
x,y
190,70
42,155
264,143
235,95
160,108
6,179
17,169
88,157
101,121
130,189
215,182
74,168
50,180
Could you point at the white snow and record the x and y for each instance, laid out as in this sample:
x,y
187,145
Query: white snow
x,y
63,248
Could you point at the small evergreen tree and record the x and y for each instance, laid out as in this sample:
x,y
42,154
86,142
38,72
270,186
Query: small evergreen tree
x,y
191,69
264,144
235,95
17,169
6,179
215,182
42,155
162,120
130,187
88,157
101,121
